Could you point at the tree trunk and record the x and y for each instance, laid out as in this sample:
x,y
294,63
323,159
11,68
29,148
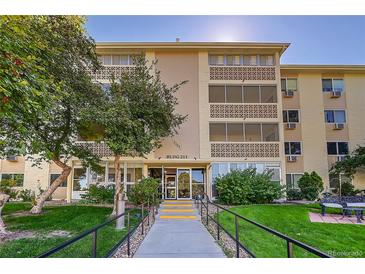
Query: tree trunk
x,y
118,184
41,199
3,199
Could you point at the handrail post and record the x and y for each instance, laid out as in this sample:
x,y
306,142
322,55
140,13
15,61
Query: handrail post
x,y
148,216
128,237
289,248
201,208
142,217
95,237
207,212
237,237
218,228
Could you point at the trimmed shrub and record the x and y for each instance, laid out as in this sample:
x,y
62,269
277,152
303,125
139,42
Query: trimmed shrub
x,y
293,194
241,187
6,187
311,185
347,189
99,194
26,195
144,192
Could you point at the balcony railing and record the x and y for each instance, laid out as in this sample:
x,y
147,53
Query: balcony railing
x,y
105,72
242,72
98,148
242,111
245,150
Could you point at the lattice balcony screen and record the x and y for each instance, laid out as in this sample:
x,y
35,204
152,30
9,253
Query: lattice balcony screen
x,y
106,72
242,73
99,149
245,150
243,111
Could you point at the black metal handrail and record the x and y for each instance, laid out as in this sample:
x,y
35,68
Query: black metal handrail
x,y
94,232
290,241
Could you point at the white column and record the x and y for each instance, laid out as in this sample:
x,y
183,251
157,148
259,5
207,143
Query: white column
x,y
106,172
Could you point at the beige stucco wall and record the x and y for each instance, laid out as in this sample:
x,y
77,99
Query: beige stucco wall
x,y
313,128
176,67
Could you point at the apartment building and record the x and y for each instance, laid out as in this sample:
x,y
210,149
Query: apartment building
x,y
244,110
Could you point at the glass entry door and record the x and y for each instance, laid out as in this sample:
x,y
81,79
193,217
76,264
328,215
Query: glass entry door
x,y
184,183
170,186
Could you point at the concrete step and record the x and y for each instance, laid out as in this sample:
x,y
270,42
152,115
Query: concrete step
x,y
189,217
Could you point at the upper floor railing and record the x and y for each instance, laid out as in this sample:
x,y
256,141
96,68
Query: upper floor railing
x,y
245,149
243,111
106,72
242,73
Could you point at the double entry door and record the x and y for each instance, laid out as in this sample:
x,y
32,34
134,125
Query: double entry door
x,y
178,185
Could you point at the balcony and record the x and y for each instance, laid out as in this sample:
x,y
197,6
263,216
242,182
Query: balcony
x,y
243,111
106,72
245,150
242,73
98,148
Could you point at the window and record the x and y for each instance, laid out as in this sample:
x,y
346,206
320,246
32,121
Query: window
x,y
270,132
216,60
336,179
266,60
134,174
18,178
250,60
217,132
251,94
116,60
337,148
293,148
234,94
252,132
217,94
292,180
233,60
53,177
290,116
329,85
335,116
288,84
268,94
235,132
197,181
97,177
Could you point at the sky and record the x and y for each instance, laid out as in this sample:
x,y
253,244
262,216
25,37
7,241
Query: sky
x,y
314,39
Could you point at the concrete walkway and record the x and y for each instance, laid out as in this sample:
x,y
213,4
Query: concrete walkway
x,y
178,233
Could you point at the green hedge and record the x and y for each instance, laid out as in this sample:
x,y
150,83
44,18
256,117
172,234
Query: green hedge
x,y
241,187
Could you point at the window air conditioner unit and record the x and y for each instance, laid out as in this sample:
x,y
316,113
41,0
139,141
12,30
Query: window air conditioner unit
x,y
12,158
291,125
340,158
338,126
288,93
336,94
291,158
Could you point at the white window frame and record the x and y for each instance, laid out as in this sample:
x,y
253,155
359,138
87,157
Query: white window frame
x,y
332,79
337,150
334,116
12,173
292,178
111,56
287,114
286,83
301,148
242,59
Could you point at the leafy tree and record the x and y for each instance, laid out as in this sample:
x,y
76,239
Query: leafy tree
x,y
137,112
247,187
57,89
351,164
311,185
144,192
347,189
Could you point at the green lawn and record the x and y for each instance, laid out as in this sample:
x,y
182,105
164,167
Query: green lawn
x,y
341,240
72,218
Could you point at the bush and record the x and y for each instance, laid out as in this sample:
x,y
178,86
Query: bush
x,y
247,187
311,185
6,187
294,194
347,189
26,195
99,194
144,192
